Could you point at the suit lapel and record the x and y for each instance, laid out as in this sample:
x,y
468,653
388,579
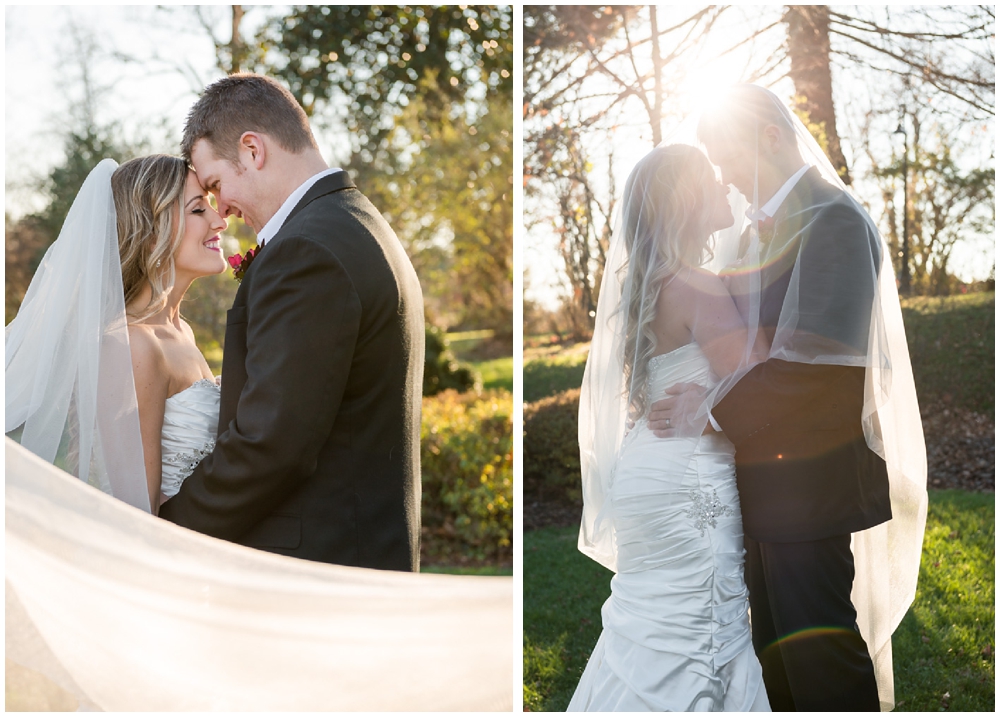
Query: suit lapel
x,y
335,182
791,221
327,185
778,255
791,216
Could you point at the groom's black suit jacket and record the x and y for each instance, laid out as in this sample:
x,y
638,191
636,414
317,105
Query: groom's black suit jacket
x,y
803,468
318,451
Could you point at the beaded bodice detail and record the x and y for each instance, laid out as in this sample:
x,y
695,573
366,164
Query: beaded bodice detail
x,y
689,364
190,423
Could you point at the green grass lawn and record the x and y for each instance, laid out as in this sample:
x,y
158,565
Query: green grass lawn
x,y
553,369
498,373
951,341
462,342
563,594
943,646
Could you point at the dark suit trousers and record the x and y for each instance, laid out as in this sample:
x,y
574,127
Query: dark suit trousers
x,y
804,626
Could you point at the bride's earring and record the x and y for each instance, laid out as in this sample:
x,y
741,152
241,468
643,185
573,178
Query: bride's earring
x,y
158,261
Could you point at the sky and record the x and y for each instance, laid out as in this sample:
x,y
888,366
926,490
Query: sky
x,y
42,81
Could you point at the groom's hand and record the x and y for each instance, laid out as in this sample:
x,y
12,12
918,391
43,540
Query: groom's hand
x,y
671,417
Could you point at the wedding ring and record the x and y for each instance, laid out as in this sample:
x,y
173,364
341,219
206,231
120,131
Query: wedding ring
x,y
667,420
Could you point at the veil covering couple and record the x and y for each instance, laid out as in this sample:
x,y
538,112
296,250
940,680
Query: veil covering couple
x,y
309,448
752,455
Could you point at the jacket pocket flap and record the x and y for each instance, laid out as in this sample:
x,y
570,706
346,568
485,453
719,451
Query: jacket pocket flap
x,y
237,315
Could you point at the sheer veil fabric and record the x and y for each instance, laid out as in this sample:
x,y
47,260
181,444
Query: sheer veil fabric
x,y
123,611
612,396
869,334
68,377
128,612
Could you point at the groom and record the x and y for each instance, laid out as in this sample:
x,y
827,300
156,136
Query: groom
x,y
805,474
318,450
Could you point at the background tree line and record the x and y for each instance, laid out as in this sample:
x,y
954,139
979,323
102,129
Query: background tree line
x,y
422,96
594,73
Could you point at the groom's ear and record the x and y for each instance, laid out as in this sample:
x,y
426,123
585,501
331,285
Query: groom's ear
x,y
772,138
253,149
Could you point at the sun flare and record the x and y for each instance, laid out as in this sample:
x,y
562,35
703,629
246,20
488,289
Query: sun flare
x,y
703,85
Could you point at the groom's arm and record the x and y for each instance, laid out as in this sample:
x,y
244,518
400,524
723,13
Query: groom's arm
x,y
837,281
303,318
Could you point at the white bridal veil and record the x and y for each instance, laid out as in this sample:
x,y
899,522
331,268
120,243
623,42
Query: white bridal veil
x,y
110,608
128,612
68,377
868,333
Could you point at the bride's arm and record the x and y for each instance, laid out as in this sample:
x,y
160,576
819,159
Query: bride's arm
x,y
736,283
151,385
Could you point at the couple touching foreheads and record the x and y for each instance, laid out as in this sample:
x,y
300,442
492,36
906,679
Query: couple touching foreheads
x,y
309,447
751,447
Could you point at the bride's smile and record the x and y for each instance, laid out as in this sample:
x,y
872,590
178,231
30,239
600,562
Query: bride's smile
x,y
199,251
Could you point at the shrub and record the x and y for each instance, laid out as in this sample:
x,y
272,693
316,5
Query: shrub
x,y
952,344
551,448
548,375
441,370
467,465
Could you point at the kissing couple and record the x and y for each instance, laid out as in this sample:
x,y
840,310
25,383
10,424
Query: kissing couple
x,y
309,446
752,455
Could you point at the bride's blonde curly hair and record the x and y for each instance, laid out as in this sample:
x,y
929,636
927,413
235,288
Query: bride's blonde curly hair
x,y
666,219
148,194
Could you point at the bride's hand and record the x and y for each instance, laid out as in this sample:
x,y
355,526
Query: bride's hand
x,y
670,417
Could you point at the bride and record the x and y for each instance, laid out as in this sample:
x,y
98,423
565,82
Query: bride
x,y
676,630
135,239
168,237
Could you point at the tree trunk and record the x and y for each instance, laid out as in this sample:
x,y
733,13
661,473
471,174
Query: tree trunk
x,y
237,51
809,52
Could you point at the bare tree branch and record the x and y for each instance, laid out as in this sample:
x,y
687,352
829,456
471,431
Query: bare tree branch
x,y
856,23
933,76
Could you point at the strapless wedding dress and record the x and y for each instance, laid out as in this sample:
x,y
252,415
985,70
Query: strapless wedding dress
x,y
190,423
676,627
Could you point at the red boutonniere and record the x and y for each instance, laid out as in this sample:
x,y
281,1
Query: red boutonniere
x,y
241,263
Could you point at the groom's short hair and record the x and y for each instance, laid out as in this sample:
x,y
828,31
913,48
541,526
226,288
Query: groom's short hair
x,y
246,102
742,108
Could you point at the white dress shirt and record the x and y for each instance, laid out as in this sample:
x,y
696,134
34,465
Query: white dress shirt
x,y
278,220
771,206
766,211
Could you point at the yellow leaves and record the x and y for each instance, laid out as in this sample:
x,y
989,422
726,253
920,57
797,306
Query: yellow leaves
x,y
467,468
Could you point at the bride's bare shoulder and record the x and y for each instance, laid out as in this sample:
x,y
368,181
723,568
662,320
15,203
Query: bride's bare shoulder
x,y
708,283
187,331
694,282
145,346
